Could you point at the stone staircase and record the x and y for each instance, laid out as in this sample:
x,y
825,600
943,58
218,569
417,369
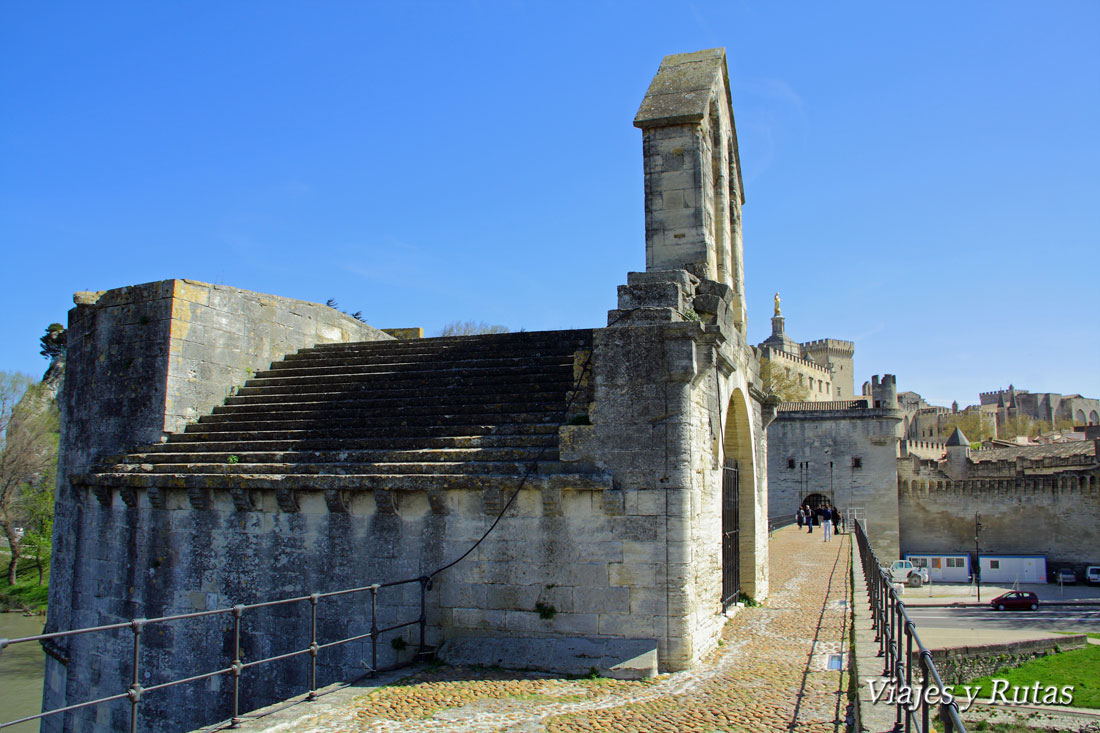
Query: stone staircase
x,y
463,412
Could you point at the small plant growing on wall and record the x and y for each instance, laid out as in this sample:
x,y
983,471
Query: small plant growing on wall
x,y
233,460
545,610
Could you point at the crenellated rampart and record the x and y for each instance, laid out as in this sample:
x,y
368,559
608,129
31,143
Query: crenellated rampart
x,y
1048,506
836,346
807,363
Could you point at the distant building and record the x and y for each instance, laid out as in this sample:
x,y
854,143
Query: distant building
x,y
823,367
1049,407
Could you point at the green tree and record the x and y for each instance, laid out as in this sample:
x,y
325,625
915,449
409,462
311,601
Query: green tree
x,y
780,382
28,454
975,427
54,341
471,328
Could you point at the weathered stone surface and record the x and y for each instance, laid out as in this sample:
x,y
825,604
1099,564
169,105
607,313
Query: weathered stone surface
x,y
623,659
355,463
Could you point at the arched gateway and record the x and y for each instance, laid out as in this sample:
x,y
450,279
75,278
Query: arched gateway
x,y
739,515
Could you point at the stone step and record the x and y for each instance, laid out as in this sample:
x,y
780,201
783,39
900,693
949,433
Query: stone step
x,y
196,432
317,363
534,402
341,468
215,423
342,482
420,455
558,339
381,398
435,367
434,383
472,375
456,442
464,411
323,411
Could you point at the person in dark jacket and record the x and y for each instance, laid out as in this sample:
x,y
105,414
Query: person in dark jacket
x,y
835,517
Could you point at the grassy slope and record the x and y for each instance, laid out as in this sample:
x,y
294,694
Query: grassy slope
x,y
26,593
1079,668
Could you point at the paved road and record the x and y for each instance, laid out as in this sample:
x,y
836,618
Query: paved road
x,y
1078,619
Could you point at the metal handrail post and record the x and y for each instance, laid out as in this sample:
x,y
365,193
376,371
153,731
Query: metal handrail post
x,y
909,628
313,648
374,630
134,692
925,657
236,666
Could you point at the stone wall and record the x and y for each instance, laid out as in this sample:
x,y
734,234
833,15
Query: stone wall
x,y
815,378
815,451
145,360
637,556
673,402
1052,515
959,665
567,552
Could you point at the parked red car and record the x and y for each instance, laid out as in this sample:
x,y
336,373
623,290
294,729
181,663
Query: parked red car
x,y
1017,599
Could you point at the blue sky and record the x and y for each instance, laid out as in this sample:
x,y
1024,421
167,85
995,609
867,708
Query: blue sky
x,y
920,178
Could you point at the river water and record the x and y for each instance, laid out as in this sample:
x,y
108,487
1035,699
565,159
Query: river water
x,y
21,669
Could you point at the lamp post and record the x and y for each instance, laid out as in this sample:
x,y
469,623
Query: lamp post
x,y
977,555
832,495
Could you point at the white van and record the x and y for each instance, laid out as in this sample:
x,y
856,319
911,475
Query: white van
x,y
1092,574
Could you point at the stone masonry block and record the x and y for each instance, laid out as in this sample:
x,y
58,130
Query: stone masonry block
x,y
590,574
635,574
678,219
512,597
651,295
601,600
578,624
628,625
690,178
478,618
648,601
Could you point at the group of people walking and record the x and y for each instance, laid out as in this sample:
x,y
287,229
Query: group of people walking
x,y
825,516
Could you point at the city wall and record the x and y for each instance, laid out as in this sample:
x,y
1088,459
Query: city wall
x,y
816,450
1052,514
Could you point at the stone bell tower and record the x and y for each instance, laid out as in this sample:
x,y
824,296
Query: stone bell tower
x,y
693,191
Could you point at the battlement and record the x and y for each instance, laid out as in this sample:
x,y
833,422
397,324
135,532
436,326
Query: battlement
x,y
987,397
809,363
837,346
1081,484
925,449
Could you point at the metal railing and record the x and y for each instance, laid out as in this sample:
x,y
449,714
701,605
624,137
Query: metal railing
x,y
236,668
896,635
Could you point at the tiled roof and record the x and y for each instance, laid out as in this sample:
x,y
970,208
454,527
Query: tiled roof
x,y
829,405
1073,448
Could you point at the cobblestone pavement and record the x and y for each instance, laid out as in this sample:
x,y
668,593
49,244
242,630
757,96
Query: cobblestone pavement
x,y
770,673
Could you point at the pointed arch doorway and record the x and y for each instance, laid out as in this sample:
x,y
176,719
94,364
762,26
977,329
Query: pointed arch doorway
x,y
731,530
739,504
